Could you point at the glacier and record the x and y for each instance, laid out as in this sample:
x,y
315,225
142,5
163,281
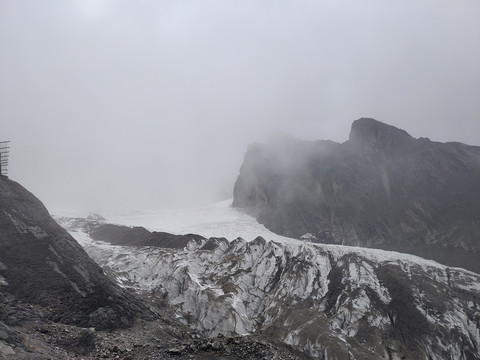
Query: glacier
x,y
332,301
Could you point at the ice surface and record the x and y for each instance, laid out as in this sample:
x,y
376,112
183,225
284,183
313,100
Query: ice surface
x,y
222,220
249,285
216,220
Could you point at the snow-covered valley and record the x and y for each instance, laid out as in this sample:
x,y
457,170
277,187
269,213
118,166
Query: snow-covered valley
x,y
216,220
332,301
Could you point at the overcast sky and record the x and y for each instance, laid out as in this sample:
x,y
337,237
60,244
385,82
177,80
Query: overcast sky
x,y
152,103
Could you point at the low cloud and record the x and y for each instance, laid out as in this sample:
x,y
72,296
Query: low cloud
x,y
153,103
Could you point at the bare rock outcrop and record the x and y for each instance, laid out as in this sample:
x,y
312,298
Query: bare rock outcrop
x,y
45,273
382,188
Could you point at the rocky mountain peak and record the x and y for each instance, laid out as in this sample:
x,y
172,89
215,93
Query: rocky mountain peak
x,y
382,188
371,132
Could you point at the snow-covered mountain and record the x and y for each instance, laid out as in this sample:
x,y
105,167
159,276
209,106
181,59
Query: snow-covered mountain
x,y
332,301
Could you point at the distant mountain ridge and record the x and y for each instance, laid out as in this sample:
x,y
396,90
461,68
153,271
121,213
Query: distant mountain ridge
x,y
382,188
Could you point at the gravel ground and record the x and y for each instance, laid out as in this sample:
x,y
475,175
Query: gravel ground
x,y
159,339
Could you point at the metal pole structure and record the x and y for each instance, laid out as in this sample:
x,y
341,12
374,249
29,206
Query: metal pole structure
x,y
4,158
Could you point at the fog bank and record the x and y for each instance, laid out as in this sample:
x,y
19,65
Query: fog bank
x,y
151,104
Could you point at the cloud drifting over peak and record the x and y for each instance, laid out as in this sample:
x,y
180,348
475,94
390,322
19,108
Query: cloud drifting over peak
x,y
152,103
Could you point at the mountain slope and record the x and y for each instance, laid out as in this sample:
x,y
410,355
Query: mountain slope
x,y
333,302
41,264
382,188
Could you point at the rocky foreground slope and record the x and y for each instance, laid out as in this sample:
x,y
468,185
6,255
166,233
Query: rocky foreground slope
x,y
334,302
41,264
57,303
382,188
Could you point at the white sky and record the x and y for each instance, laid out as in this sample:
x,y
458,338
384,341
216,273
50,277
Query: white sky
x,y
151,104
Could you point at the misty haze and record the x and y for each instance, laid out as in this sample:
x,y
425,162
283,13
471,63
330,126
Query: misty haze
x,y
151,105
240,179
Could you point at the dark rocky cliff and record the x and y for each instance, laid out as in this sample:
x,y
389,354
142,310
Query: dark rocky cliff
x,y
382,188
42,266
